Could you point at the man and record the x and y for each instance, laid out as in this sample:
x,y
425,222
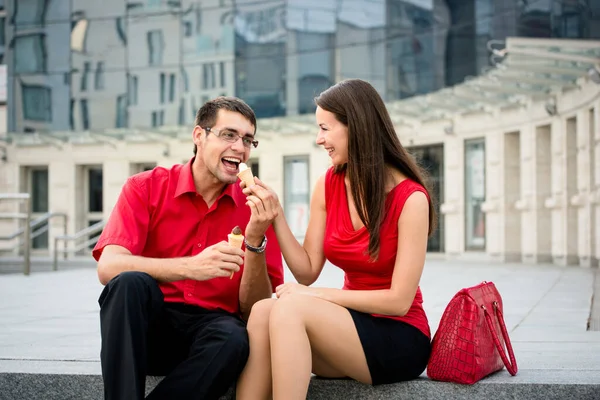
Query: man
x,y
170,306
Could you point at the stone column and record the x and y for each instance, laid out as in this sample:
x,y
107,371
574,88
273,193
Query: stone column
x,y
512,193
525,203
581,199
453,207
543,190
494,194
61,198
563,183
595,170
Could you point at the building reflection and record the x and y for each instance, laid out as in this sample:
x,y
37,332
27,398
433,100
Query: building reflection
x,y
84,65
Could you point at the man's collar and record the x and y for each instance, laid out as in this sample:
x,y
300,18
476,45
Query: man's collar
x,y
185,184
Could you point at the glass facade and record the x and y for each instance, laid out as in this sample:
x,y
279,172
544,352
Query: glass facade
x,y
38,178
296,194
431,159
474,194
79,65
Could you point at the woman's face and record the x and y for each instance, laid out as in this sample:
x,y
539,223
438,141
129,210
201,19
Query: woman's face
x,y
333,136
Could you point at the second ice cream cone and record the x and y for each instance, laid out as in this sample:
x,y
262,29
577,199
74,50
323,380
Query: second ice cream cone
x,y
235,239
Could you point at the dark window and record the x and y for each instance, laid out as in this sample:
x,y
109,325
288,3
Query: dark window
x,y
133,90
71,115
120,23
122,120
29,14
171,88
222,74
155,47
208,76
37,102
85,114
187,29
185,79
95,190
87,66
39,190
163,83
99,78
158,118
30,53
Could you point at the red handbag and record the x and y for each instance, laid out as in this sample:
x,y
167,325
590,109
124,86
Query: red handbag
x,y
466,346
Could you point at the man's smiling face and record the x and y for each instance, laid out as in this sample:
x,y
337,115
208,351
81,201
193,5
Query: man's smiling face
x,y
222,158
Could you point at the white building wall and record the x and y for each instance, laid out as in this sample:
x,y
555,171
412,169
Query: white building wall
x,y
542,174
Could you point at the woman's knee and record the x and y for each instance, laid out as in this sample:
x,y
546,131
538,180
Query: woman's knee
x,y
260,315
288,309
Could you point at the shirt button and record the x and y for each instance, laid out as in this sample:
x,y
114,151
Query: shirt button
x,y
189,295
199,244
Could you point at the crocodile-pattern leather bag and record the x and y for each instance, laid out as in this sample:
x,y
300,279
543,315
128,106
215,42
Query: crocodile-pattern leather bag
x,y
466,346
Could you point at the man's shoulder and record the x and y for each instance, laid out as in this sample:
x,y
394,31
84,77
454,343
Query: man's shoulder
x,y
157,175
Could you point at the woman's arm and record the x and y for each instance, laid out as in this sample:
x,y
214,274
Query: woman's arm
x,y
305,261
413,228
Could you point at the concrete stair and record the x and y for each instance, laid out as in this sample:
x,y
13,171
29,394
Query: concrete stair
x,y
529,384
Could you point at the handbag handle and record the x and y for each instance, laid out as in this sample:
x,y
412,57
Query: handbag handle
x,y
512,365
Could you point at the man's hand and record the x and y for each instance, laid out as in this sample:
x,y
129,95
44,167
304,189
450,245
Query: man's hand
x,y
264,206
289,288
218,260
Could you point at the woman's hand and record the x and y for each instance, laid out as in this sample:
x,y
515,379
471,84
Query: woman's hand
x,y
264,206
291,287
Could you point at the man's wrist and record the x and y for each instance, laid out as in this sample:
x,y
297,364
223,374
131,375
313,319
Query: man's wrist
x,y
181,271
257,249
254,240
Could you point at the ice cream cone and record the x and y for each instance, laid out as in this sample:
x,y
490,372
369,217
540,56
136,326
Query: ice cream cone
x,y
245,175
235,239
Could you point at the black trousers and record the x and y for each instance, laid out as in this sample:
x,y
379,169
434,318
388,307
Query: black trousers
x,y
200,352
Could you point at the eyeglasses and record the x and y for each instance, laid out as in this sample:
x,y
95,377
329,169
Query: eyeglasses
x,y
232,137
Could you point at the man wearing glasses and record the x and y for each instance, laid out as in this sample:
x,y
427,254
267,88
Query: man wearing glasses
x,y
169,307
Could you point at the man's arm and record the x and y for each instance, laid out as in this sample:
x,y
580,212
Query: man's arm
x,y
255,284
215,261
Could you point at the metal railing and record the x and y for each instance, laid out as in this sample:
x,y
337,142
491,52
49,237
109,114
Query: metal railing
x,y
22,198
32,232
90,230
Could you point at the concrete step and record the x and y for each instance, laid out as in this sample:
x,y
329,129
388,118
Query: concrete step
x,y
528,384
10,264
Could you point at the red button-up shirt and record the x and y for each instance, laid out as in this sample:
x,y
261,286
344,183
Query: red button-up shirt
x,y
160,215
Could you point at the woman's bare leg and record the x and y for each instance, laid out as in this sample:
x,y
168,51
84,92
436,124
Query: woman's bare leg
x,y
301,325
255,382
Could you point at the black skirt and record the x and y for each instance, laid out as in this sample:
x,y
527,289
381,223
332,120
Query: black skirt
x,y
395,351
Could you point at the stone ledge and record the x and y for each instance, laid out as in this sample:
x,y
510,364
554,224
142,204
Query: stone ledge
x,y
529,384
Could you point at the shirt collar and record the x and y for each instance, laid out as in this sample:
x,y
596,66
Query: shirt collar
x,y
185,184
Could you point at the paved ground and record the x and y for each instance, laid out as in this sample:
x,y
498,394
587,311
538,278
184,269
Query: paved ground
x,y
49,320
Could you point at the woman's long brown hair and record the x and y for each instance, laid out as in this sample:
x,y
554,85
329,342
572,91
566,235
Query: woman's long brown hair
x,y
372,144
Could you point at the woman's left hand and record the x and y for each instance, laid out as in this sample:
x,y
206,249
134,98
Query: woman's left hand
x,y
290,287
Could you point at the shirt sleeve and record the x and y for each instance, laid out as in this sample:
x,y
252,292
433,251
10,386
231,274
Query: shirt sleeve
x,y
128,223
274,259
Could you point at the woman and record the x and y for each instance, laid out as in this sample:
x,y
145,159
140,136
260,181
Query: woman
x,y
371,216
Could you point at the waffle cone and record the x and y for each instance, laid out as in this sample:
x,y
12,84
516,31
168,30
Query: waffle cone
x,y
247,177
235,241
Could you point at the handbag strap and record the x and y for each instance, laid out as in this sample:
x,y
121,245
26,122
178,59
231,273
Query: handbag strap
x,y
512,365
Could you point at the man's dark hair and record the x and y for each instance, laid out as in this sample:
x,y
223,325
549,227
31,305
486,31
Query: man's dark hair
x,y
207,114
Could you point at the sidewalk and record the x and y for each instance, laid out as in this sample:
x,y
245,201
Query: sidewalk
x,y
50,320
